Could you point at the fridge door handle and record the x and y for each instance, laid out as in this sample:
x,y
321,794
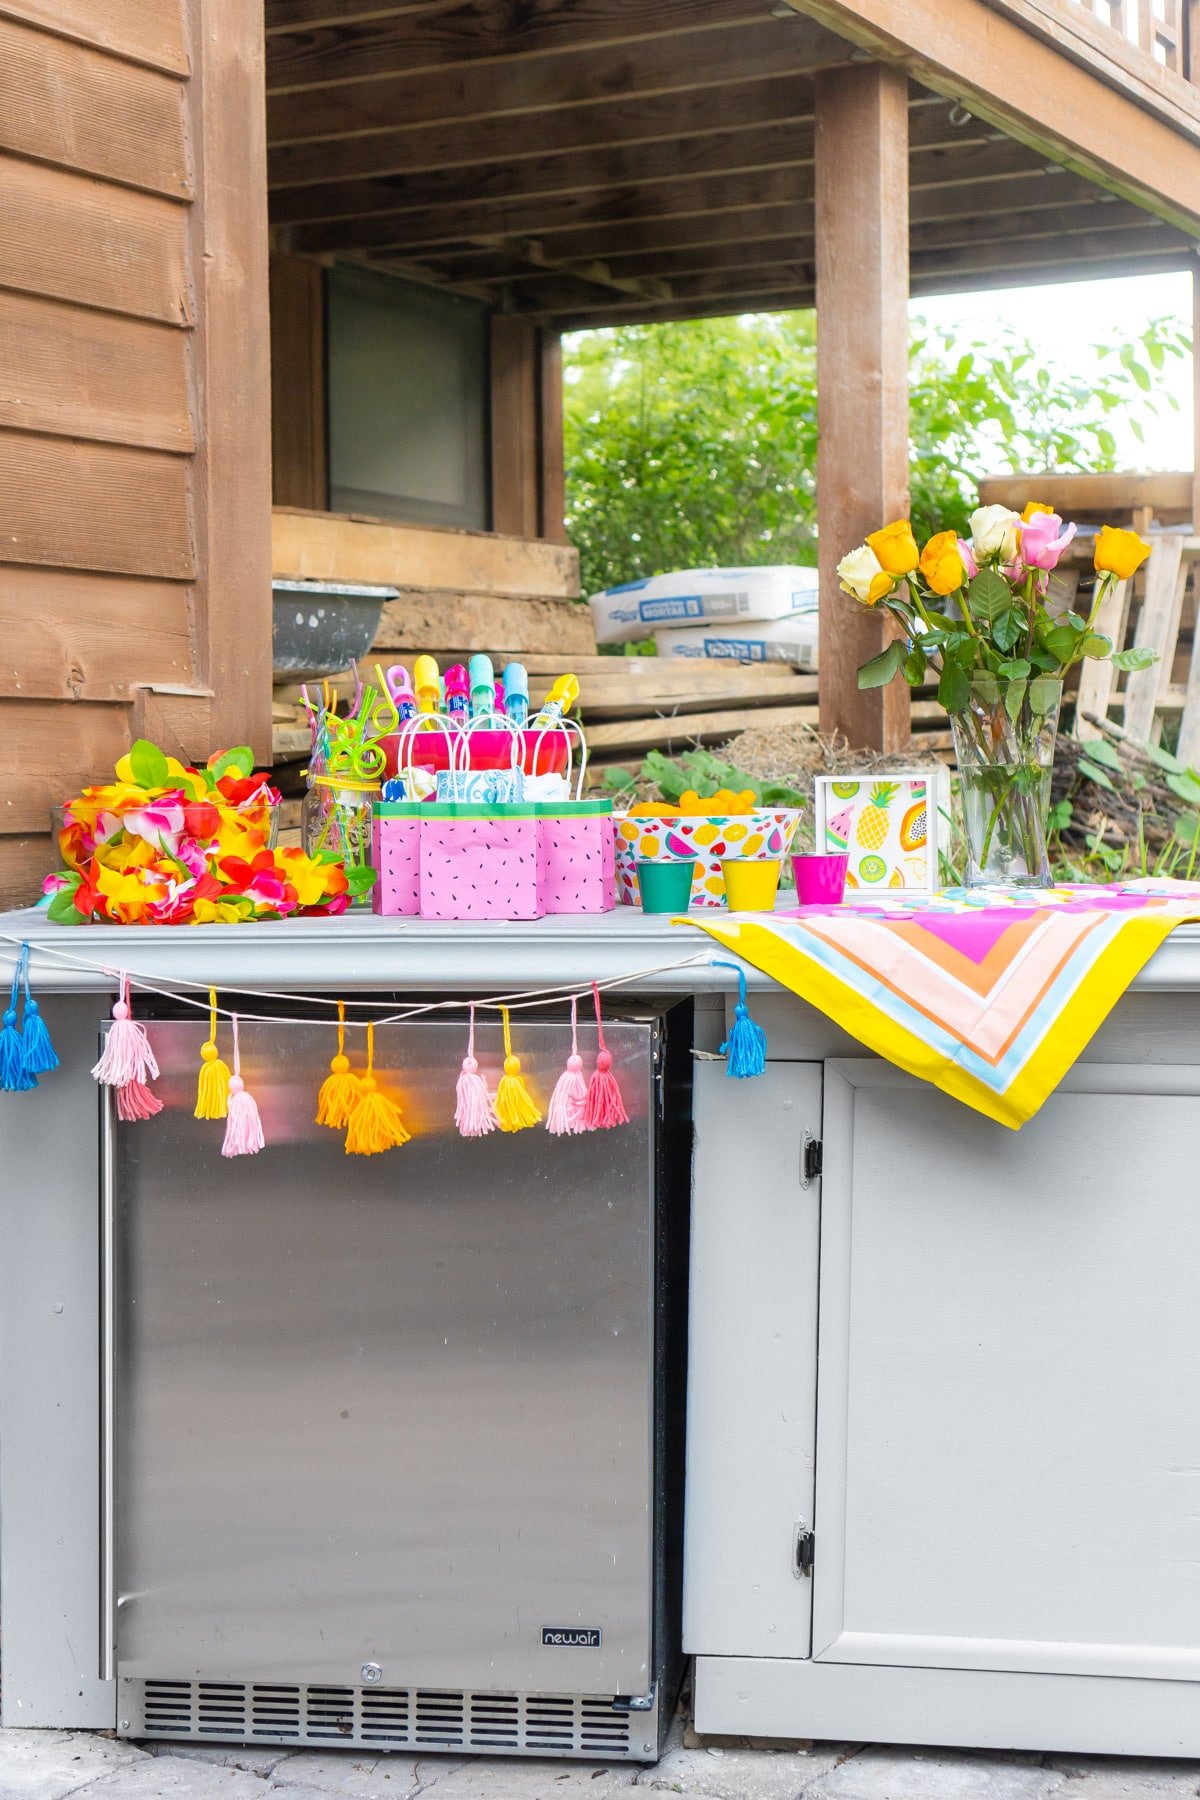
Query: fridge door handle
x,y
108,1621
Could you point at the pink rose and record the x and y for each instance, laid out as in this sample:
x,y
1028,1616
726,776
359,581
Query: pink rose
x,y
968,559
1043,540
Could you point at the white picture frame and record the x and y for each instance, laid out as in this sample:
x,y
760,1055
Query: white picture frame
x,y
874,815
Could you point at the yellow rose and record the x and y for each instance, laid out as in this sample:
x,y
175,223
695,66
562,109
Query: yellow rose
x,y
1119,552
941,564
1034,506
862,574
896,547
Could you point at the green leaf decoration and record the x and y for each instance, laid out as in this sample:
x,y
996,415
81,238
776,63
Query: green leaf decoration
x,y
1138,658
239,760
1095,645
915,666
360,880
880,670
954,688
148,764
989,595
1014,670
62,909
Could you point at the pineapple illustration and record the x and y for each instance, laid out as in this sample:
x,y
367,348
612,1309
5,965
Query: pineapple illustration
x,y
914,826
873,820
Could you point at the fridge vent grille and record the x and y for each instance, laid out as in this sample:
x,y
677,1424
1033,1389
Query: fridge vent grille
x,y
392,1718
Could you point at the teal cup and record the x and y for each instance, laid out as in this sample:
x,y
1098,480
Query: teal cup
x,y
665,885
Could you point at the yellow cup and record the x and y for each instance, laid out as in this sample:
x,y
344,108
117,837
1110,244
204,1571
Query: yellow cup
x,y
750,885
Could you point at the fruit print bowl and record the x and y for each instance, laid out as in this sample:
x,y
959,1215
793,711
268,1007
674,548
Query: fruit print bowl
x,y
757,835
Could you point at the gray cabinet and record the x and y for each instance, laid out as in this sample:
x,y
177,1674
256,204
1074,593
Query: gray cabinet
x,y
1006,1507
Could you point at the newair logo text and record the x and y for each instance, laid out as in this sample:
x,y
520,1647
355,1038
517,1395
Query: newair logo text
x,y
571,1637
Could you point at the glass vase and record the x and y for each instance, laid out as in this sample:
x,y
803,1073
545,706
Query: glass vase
x,y
1004,746
336,818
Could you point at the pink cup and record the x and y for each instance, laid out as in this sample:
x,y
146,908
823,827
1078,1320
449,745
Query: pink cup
x,y
821,878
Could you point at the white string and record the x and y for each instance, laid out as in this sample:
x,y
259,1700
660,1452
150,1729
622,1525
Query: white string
x,y
524,999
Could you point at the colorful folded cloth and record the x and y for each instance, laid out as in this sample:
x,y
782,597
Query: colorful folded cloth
x,y
990,995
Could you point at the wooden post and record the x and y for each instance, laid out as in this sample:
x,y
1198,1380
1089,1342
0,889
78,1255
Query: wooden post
x,y
299,470
514,426
1196,397
550,456
862,373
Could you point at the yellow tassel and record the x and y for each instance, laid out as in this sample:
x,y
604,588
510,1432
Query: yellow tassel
x,y
375,1124
212,1089
516,1109
341,1088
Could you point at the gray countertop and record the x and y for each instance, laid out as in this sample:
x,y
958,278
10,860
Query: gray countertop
x,y
360,950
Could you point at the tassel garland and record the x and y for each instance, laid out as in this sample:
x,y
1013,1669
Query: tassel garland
x,y
745,1049
15,1075
341,1088
127,1062
516,1109
243,1127
375,1124
605,1107
474,1111
568,1102
212,1087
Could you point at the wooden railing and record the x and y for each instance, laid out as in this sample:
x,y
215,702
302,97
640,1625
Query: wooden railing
x,y
1167,30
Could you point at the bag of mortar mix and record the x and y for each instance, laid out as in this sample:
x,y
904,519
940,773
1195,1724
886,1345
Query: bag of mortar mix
x,y
792,639
686,597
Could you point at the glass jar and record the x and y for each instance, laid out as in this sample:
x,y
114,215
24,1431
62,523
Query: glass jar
x,y
1004,746
336,819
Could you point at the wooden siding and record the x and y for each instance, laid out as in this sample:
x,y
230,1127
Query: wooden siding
x,y
134,451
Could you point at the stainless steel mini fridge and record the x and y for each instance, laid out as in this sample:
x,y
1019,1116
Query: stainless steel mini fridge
x,y
382,1464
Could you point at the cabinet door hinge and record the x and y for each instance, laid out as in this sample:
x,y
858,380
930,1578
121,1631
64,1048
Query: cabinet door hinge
x,y
802,1552
811,1159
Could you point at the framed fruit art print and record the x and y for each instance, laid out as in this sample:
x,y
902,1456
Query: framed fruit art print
x,y
887,823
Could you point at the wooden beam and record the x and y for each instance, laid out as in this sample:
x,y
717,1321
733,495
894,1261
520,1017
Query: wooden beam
x,y
340,547
1001,72
777,98
862,375
482,31
231,472
573,77
514,379
299,473
410,229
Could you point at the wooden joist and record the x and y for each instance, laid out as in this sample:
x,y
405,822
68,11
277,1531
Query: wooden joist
x,y
443,621
527,85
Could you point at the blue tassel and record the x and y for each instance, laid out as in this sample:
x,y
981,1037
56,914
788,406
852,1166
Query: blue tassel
x,y
745,1049
15,1078
40,1054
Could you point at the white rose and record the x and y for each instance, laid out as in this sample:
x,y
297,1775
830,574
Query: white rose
x,y
859,574
994,531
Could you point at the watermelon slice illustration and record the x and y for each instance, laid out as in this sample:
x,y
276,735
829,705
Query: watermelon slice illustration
x,y
838,829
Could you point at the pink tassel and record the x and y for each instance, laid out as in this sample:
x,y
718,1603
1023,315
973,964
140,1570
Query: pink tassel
x,y
127,1062
568,1102
135,1101
243,1127
605,1107
475,1110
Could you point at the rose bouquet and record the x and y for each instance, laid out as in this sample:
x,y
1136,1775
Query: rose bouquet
x,y
987,617
163,844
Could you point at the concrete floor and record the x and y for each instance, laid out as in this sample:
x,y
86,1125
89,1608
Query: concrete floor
x,y
54,1765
